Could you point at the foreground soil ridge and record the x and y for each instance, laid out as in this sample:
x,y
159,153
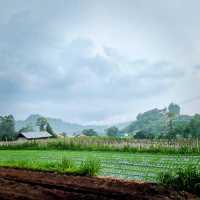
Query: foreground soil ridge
x,y
16,184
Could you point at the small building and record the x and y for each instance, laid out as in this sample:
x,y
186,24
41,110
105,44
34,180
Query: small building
x,y
123,135
34,135
80,135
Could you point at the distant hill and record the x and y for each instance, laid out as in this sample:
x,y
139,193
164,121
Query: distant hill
x,y
155,122
59,125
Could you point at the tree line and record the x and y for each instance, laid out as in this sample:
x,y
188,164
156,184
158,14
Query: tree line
x,y
162,124
166,123
9,133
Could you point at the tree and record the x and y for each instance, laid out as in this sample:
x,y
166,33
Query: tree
x,y
42,123
50,130
89,132
112,131
172,114
174,108
27,128
194,126
7,128
140,135
150,136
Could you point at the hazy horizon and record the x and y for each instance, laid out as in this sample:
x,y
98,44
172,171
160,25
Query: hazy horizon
x,y
95,62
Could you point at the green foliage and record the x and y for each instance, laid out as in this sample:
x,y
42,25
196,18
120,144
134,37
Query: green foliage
x,y
7,128
41,123
90,167
185,130
174,109
112,131
165,124
139,166
26,129
50,130
150,122
143,135
45,126
110,144
194,126
89,132
67,163
187,179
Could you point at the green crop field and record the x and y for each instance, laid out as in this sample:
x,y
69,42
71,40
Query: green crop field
x,y
139,166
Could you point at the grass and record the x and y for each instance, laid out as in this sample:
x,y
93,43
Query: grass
x,y
125,165
187,179
88,167
109,144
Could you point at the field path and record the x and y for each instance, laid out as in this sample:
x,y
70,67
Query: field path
x,y
18,184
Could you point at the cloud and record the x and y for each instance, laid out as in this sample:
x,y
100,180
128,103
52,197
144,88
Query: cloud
x,y
197,67
70,64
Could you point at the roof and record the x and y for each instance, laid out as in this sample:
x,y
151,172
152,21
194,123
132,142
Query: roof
x,y
35,135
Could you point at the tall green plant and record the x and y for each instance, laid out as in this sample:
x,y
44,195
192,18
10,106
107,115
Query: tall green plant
x,y
90,167
187,179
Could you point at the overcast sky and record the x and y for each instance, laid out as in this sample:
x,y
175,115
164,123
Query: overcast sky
x,y
98,61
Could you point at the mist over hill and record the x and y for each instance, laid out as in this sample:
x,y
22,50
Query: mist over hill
x,y
152,122
60,126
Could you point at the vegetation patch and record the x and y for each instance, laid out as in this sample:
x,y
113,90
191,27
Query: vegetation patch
x,y
187,179
125,165
108,144
88,167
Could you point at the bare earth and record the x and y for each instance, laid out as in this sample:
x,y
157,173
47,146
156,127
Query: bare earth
x,y
24,184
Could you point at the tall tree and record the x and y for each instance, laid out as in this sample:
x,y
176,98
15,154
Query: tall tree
x,y
50,130
172,114
89,132
194,126
112,131
42,123
174,108
7,128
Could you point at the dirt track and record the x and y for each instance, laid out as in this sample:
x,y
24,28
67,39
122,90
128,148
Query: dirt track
x,y
23,184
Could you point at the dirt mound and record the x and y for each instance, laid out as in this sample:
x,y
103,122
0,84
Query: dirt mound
x,y
25,184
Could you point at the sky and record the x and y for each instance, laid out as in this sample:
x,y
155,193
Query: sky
x,y
98,61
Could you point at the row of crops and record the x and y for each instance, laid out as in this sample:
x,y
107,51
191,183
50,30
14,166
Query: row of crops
x,y
141,166
124,165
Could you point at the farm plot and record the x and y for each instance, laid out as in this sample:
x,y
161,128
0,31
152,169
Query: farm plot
x,y
123,165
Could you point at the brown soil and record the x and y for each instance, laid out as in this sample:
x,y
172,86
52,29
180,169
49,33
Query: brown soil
x,y
18,184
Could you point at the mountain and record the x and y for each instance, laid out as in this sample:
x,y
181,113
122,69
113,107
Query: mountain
x,y
59,125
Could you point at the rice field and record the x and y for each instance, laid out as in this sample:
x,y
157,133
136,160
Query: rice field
x,y
125,165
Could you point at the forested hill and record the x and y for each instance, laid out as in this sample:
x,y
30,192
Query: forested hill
x,y
60,126
157,121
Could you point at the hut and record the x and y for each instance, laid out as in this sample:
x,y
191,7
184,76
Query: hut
x,y
33,135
